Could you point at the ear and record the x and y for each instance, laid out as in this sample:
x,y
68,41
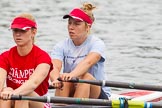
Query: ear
x,y
34,31
88,27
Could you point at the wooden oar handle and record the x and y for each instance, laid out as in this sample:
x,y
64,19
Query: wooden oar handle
x,y
51,87
16,97
74,79
59,79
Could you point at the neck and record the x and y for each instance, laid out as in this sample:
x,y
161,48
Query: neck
x,y
24,50
78,42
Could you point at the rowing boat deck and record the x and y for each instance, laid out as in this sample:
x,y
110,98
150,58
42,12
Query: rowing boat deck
x,y
79,106
142,95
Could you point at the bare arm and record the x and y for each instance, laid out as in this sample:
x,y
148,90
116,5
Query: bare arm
x,y
55,73
3,75
34,81
57,64
83,67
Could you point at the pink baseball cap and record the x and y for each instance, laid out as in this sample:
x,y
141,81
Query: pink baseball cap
x,y
22,23
79,14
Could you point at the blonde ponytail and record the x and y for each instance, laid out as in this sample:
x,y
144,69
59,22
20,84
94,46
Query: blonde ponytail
x,y
88,8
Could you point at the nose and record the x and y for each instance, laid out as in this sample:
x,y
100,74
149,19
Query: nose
x,y
71,26
17,34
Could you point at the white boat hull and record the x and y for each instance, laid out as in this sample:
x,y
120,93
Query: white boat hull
x,y
141,95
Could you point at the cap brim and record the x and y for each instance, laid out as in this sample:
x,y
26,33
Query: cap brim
x,y
21,27
66,16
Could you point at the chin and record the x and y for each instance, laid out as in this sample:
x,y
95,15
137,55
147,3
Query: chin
x,y
20,44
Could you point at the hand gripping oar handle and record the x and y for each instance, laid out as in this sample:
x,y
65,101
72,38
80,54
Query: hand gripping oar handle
x,y
59,79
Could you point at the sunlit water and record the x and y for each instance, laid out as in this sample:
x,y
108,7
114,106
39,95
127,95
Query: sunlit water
x,y
131,30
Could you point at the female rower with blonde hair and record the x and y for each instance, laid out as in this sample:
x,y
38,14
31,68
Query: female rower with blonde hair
x,y
25,67
82,55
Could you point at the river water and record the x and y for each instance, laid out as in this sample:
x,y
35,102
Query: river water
x,y
131,30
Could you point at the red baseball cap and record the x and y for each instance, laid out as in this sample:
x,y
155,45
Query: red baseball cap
x,y
79,14
22,23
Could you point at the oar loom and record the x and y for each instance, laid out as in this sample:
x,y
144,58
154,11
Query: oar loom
x,y
117,84
121,103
